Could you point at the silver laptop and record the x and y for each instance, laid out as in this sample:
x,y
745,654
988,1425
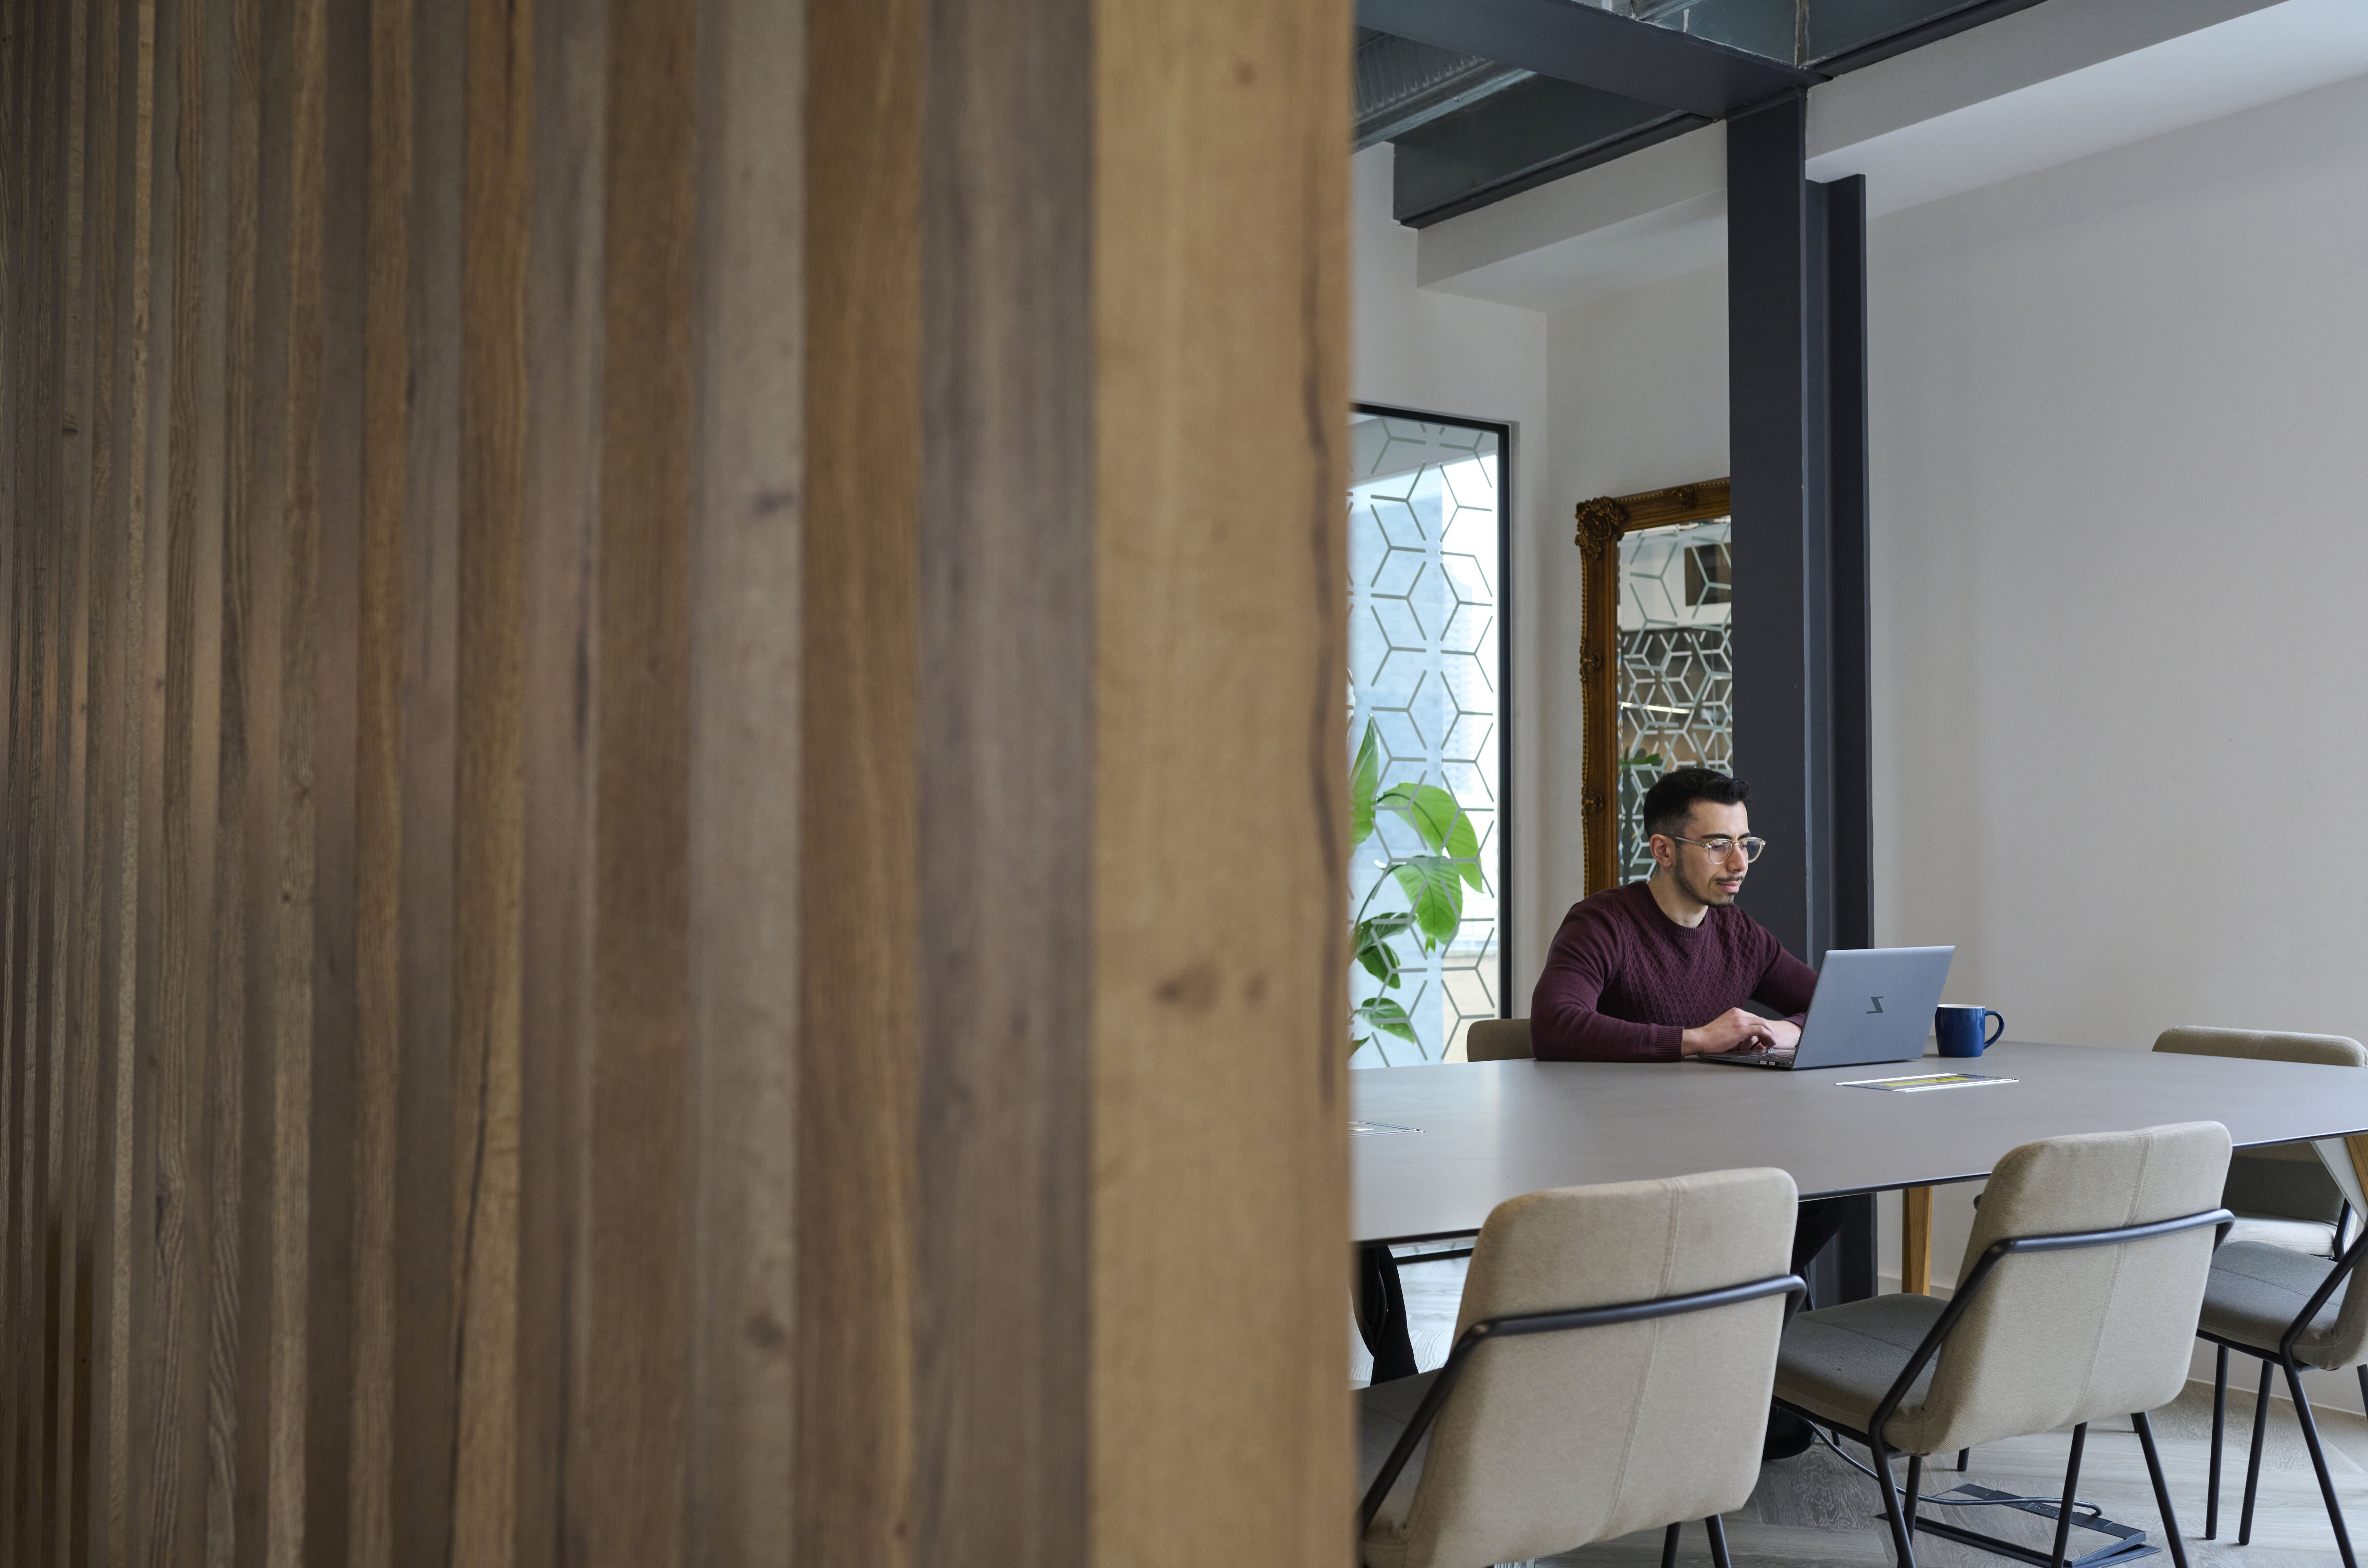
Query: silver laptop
x,y
1872,1005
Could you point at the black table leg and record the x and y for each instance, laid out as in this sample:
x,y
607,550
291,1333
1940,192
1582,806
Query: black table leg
x,y
1842,1268
1381,1314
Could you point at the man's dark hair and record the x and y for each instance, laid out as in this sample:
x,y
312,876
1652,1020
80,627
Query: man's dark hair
x,y
1668,802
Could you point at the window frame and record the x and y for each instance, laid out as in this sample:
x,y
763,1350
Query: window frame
x,y
1504,798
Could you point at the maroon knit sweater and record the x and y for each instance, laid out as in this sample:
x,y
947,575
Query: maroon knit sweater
x,y
1624,981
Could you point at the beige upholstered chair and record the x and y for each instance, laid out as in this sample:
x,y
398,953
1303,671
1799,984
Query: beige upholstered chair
x,y
2075,1300
2282,1195
1498,1039
2292,1310
1610,1373
2292,1218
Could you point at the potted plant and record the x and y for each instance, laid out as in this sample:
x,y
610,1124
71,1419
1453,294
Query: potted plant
x,y
1431,884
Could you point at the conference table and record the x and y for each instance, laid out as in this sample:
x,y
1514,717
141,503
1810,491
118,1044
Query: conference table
x,y
1435,1148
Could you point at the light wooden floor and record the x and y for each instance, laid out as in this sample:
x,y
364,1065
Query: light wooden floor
x,y
1814,1511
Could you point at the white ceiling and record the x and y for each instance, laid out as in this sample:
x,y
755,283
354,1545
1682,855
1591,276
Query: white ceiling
x,y
2057,81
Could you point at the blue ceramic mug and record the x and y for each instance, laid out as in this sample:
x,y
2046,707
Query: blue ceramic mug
x,y
1960,1028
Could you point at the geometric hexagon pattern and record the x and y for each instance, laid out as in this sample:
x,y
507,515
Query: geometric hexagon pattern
x,y
1674,671
1423,583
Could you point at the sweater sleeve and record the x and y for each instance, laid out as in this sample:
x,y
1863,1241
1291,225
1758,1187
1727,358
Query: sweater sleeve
x,y
1785,983
1563,1023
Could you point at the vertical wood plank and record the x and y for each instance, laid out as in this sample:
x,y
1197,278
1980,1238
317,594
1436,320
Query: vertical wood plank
x,y
119,785
637,1259
378,786
566,296
266,1494
89,1044
859,1029
421,1439
491,804
230,1336
67,1050
1220,1124
1006,749
291,1397
336,419
745,795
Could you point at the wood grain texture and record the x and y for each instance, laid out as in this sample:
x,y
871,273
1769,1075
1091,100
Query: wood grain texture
x,y
1916,1240
379,861
560,517
744,801
489,807
1004,756
611,611
636,1261
1219,1119
858,1028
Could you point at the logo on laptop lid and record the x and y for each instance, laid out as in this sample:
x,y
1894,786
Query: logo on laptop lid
x,y
1878,1005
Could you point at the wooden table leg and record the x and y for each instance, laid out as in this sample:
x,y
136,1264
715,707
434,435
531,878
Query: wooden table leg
x,y
1916,1241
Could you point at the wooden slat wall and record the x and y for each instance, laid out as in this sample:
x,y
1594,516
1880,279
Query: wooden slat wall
x,y
670,864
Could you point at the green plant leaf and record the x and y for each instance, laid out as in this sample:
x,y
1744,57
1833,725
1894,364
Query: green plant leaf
x,y
1431,809
1371,941
1364,781
1445,828
1433,885
1387,1017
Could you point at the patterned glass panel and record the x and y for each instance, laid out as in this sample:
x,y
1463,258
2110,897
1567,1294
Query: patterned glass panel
x,y
1423,582
1676,676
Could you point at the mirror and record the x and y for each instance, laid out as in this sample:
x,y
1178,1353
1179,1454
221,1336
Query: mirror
x,y
1655,671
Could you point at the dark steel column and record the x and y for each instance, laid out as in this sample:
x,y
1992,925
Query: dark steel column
x,y
1796,317
1853,762
1776,446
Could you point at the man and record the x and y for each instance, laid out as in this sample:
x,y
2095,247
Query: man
x,y
1660,970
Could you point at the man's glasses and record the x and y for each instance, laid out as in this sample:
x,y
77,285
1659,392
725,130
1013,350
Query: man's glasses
x,y
1721,847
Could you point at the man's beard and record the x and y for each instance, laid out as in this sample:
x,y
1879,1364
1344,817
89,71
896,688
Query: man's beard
x,y
1707,891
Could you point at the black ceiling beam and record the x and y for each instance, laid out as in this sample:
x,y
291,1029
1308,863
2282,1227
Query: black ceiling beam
x,y
1574,42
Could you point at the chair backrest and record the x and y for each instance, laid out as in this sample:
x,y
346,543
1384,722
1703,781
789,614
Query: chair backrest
x,y
2287,1182
1498,1039
2263,1045
2059,1338
1553,1440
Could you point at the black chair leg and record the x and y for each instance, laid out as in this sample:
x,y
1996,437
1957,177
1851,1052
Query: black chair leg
x,y
2253,1464
1717,1528
1963,1455
1915,1487
2161,1489
2219,1421
1900,1544
1381,1315
2319,1463
2071,1485
1669,1547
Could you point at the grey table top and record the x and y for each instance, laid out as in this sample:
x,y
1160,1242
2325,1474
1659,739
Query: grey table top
x,y
1490,1131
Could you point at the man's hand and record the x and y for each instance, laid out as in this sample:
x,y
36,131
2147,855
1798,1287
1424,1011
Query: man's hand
x,y
1737,1030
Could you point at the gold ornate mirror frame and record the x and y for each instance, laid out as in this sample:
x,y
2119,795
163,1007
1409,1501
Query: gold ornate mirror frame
x,y
1601,522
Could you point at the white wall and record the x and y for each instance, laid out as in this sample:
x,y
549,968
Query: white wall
x,y
2118,409
1440,354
